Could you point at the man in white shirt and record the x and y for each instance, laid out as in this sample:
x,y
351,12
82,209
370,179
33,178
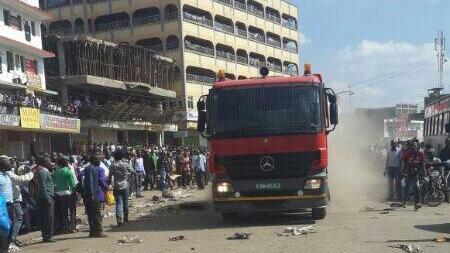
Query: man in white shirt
x,y
137,164
393,171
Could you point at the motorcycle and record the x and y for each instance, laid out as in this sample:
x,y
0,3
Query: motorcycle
x,y
433,186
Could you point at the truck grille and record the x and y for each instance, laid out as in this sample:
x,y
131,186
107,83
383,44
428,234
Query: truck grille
x,y
286,165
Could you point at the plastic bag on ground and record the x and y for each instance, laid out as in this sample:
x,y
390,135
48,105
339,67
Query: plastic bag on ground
x,y
130,239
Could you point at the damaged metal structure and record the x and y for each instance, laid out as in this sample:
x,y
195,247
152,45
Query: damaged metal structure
x,y
126,92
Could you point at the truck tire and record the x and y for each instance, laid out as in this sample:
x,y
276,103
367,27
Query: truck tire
x,y
319,213
230,217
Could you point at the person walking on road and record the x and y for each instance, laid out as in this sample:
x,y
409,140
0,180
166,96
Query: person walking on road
x,y
17,182
44,190
138,166
413,166
393,172
94,188
199,163
6,190
118,174
65,183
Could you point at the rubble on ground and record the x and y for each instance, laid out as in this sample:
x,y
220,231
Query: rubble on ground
x,y
108,214
176,238
409,248
129,239
293,231
239,236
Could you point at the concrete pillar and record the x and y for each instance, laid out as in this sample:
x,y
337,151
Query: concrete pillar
x,y
160,138
61,59
64,94
125,136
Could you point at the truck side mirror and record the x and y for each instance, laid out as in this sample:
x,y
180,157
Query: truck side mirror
x,y
201,121
447,128
334,114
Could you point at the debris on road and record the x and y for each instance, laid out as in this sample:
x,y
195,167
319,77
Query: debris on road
x,y
239,236
384,212
108,214
438,214
292,231
368,209
410,248
442,239
192,248
388,209
395,205
176,238
130,239
167,194
155,198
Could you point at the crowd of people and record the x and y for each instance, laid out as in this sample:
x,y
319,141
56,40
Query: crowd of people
x,y
406,163
43,193
10,102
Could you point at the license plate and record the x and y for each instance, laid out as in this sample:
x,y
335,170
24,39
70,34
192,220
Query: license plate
x,y
268,186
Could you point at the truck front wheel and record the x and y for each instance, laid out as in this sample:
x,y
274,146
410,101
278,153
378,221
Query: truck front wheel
x,y
319,213
230,217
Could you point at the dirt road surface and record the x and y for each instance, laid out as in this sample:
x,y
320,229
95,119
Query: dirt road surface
x,y
364,230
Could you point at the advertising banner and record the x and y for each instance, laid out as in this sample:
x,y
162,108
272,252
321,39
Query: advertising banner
x,y
30,118
60,124
9,120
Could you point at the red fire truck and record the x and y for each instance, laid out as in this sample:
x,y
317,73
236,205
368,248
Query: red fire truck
x,y
268,143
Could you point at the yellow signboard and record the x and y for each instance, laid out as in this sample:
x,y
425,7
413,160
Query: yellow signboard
x,y
30,118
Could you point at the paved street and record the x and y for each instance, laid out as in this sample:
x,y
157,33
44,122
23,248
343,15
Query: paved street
x,y
344,230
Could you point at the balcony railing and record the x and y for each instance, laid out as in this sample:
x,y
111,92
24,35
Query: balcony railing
x,y
200,79
223,27
112,26
197,19
226,2
273,18
256,62
241,33
240,6
242,59
290,48
189,46
225,55
57,3
274,67
171,16
253,9
139,21
256,36
289,71
273,42
290,24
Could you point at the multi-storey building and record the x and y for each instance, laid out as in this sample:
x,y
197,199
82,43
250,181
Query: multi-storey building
x,y
238,36
21,54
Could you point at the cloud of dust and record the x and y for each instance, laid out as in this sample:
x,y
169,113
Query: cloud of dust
x,y
355,175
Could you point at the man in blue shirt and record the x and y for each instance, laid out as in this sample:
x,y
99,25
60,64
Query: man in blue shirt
x,y
6,190
199,163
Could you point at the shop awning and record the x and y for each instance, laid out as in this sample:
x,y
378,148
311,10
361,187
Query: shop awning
x,y
15,45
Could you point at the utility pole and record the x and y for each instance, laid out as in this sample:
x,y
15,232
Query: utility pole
x,y
350,98
439,46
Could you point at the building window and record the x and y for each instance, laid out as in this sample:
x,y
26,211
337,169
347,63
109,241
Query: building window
x,y
10,61
6,14
1,62
27,29
33,28
190,102
22,64
17,61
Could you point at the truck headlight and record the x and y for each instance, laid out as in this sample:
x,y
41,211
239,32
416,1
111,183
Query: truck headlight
x,y
224,188
313,184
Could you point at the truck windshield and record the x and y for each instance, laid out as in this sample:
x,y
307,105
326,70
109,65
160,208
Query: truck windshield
x,y
262,110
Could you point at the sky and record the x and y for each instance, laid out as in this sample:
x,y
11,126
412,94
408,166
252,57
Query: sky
x,y
383,49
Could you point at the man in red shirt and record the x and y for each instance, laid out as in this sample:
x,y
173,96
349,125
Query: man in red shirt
x,y
413,165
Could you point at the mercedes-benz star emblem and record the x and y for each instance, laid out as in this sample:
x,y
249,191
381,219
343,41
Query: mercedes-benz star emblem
x,y
267,163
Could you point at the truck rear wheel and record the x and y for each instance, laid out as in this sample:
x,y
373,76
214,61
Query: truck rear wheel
x,y
319,213
230,217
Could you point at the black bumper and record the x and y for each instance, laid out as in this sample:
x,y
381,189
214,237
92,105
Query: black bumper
x,y
283,204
